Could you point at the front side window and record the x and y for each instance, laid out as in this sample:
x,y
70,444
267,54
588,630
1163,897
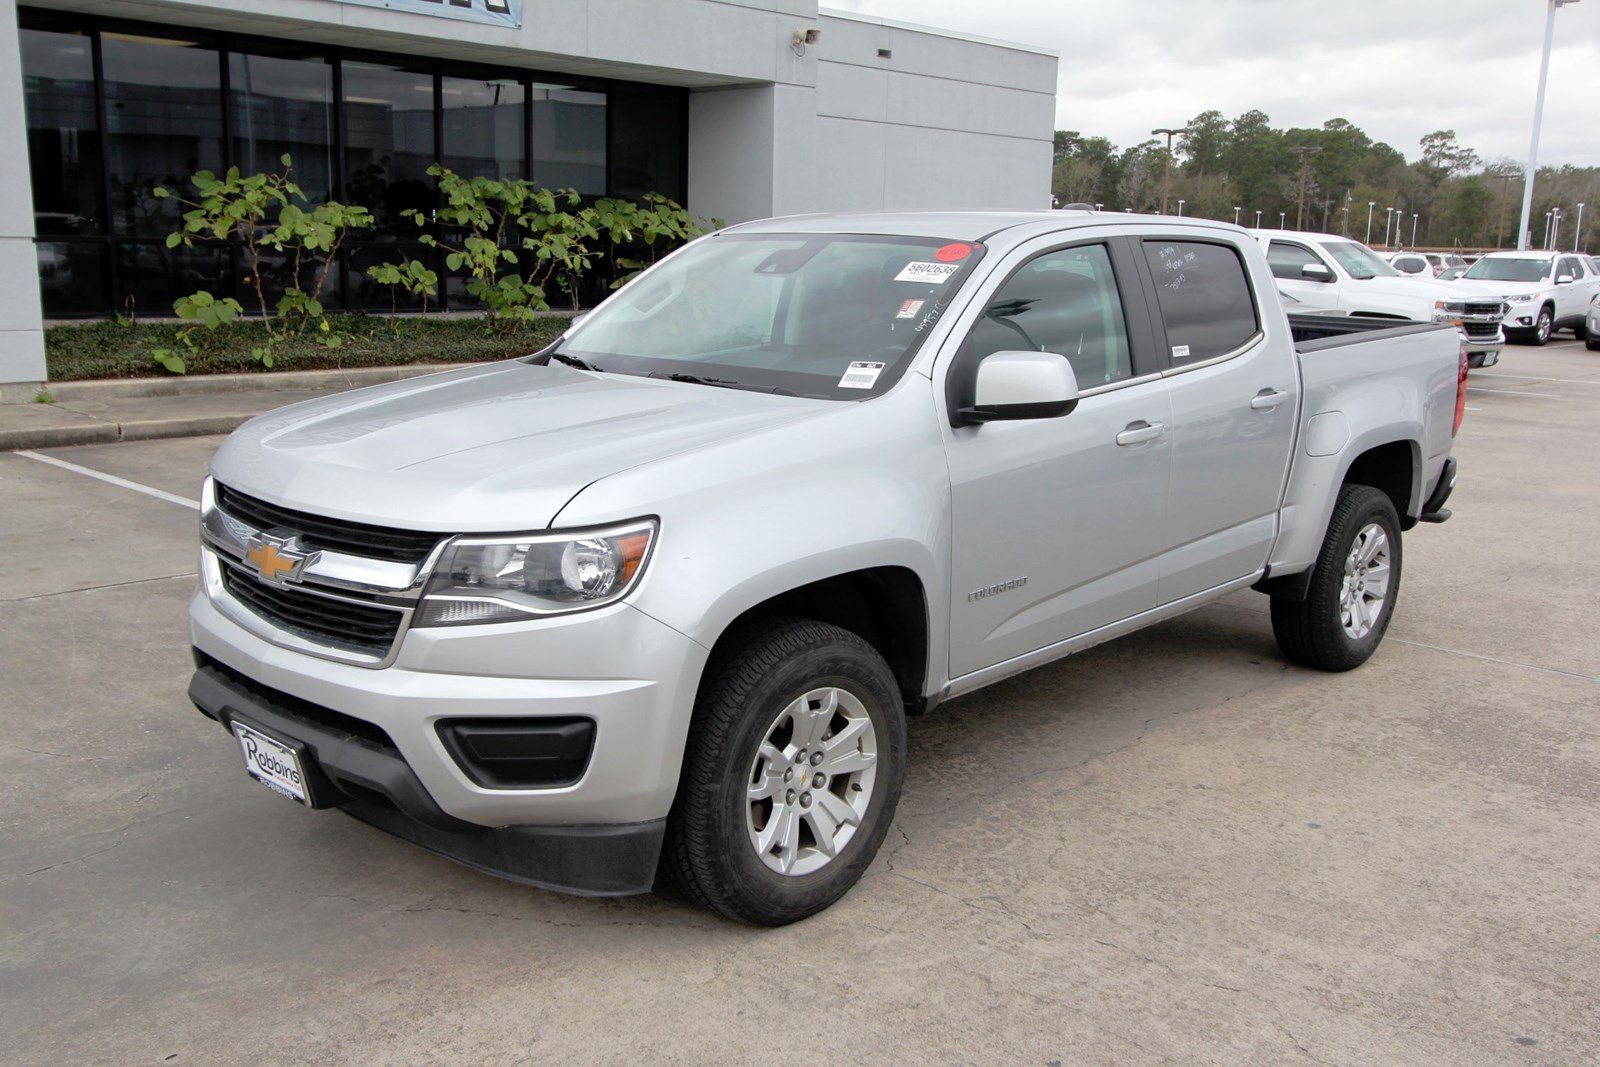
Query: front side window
x,y
1286,260
1204,296
821,315
1358,260
1064,302
1571,267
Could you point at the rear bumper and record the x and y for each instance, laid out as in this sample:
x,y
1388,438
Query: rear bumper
x,y
366,776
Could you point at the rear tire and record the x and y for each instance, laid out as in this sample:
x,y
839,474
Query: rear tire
x,y
1344,616
809,717
1592,343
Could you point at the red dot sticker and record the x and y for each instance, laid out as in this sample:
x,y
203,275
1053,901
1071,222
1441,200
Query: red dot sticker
x,y
951,253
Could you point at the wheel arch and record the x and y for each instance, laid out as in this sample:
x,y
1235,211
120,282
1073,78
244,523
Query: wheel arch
x,y
886,606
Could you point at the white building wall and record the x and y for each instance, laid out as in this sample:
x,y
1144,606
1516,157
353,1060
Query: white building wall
x,y
21,330
941,122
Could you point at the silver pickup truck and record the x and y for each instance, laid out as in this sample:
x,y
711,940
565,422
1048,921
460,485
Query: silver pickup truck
x,y
654,603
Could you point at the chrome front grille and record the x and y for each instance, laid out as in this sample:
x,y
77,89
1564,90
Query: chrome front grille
x,y
348,596
340,622
338,535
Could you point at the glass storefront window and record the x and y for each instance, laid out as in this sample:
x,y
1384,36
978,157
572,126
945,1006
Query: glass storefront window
x,y
483,127
151,275
63,132
72,276
284,106
569,139
648,139
163,123
388,121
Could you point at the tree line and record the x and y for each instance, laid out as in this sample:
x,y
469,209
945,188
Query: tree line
x,y
1459,199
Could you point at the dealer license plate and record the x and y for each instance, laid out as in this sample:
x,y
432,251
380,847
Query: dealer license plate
x,y
274,764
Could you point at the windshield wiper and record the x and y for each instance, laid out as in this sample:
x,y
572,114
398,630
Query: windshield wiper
x,y
574,361
722,383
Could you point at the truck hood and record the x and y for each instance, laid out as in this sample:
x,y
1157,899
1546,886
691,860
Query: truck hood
x,y
1428,289
496,448
1487,288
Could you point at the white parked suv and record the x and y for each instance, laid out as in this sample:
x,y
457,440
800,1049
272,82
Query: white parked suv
x,y
1545,291
1414,264
1324,270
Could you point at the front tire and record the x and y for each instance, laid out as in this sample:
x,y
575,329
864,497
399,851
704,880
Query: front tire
x,y
1354,586
791,775
1543,326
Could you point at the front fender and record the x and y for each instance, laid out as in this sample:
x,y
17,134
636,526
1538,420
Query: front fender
x,y
857,486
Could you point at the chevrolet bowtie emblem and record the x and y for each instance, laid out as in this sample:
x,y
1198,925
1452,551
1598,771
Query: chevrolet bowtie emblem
x,y
278,560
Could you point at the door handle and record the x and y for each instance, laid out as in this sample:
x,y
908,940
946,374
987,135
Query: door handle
x,y
1268,399
1138,433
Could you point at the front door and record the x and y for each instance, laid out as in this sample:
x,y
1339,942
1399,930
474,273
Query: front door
x,y
1057,523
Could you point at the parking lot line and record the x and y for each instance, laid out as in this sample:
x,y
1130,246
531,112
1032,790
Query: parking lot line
x,y
1539,378
159,494
1514,392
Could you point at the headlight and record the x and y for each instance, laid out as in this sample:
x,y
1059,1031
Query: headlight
x,y
1520,298
1448,311
504,579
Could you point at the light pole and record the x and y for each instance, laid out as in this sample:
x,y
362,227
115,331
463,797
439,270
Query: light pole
x,y
1413,229
1258,218
1555,231
1166,179
1180,207
1538,117
1097,207
1388,220
1370,205
1344,227
1281,216
1577,231
1236,213
1546,242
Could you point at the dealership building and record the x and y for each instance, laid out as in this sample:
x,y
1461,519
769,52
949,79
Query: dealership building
x,y
738,109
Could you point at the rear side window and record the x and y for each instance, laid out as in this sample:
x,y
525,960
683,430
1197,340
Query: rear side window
x,y
1064,302
1204,296
1286,259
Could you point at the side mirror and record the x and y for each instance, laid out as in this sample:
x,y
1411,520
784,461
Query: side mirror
x,y
1316,272
1021,385
1564,279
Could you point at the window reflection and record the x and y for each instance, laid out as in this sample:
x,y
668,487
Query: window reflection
x,y
569,139
163,123
284,106
483,124
63,133
72,276
647,141
388,114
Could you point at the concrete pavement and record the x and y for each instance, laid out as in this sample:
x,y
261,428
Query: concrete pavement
x,y
142,409
1171,848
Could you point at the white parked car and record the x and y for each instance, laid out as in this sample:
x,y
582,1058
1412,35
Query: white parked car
x,y
1591,326
1324,270
1546,291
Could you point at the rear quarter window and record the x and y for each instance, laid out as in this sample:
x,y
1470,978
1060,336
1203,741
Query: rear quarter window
x,y
1204,297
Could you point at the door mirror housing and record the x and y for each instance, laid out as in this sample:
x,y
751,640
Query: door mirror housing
x,y
1563,279
1316,272
1021,385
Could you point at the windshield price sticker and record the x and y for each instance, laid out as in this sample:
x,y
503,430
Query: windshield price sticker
x,y
909,309
861,376
927,273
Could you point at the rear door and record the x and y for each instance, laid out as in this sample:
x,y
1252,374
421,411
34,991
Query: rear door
x,y
1573,299
1235,401
1056,523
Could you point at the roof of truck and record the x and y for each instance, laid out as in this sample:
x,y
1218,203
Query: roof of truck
x,y
954,225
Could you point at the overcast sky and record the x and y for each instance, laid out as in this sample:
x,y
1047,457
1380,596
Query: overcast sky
x,y
1397,68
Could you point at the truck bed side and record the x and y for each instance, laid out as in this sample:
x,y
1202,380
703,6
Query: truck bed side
x,y
1362,391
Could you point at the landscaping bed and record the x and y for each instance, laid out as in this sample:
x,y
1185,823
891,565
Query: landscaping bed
x,y
123,350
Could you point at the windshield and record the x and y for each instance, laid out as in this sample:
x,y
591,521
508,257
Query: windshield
x,y
1509,270
1359,260
833,316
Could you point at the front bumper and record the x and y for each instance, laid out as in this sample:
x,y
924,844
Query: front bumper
x,y
370,780
634,677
